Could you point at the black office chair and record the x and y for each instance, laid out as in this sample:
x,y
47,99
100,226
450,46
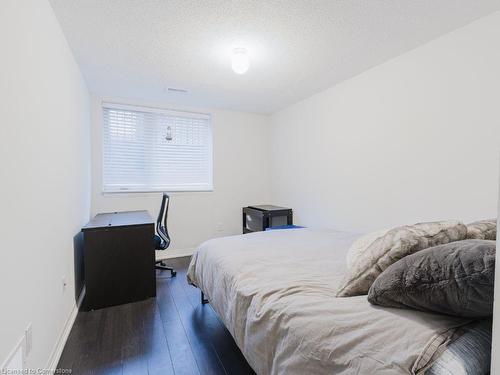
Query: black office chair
x,y
162,240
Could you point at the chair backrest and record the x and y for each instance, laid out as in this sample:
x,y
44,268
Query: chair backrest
x,y
161,222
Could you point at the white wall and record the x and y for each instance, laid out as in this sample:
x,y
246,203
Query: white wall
x,y
45,174
410,140
495,354
240,179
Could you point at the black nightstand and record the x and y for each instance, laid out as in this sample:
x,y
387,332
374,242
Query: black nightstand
x,y
258,218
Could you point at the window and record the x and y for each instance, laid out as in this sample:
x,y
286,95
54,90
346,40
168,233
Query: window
x,y
147,149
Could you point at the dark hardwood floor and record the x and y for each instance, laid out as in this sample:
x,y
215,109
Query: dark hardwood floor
x,y
170,334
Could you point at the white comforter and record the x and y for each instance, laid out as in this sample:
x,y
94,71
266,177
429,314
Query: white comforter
x,y
275,292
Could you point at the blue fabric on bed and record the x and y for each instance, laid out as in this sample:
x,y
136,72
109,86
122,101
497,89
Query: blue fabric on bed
x,y
470,354
284,227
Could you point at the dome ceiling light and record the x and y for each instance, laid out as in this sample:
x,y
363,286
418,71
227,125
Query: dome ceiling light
x,y
240,61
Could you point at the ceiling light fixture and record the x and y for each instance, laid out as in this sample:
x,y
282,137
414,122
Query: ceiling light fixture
x,y
240,62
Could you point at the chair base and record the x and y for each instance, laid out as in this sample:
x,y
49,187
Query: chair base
x,y
203,299
162,266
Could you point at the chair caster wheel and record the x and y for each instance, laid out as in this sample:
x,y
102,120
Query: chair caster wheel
x,y
174,273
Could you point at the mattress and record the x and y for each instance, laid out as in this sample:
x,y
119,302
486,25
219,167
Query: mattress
x,y
275,292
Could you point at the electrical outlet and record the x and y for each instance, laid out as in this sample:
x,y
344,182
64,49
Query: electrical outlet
x,y
28,339
220,227
64,283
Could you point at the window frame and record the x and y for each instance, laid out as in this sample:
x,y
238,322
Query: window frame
x,y
209,187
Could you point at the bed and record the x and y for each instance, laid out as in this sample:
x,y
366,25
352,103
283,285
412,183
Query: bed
x,y
275,292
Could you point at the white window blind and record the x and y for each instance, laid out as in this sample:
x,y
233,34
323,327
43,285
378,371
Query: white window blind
x,y
147,149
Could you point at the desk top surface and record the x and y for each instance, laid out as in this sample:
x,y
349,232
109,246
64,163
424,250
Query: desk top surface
x,y
119,219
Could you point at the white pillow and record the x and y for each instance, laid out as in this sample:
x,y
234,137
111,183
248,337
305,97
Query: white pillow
x,y
361,244
482,230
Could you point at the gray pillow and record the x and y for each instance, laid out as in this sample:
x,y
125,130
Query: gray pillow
x,y
482,230
456,279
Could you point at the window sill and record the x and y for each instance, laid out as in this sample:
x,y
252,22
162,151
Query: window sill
x,y
173,192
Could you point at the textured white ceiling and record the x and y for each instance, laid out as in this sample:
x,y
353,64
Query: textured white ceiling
x,y
136,49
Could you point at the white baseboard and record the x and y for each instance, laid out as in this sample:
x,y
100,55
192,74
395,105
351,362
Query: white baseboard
x,y
61,342
176,253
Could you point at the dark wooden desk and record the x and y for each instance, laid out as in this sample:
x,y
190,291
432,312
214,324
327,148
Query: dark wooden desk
x,y
119,259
